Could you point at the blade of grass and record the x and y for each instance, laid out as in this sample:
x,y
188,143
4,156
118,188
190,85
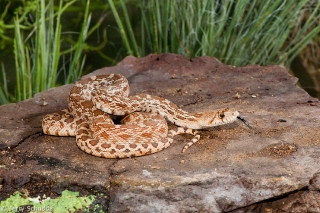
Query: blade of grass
x,y
130,30
75,69
4,95
121,28
23,77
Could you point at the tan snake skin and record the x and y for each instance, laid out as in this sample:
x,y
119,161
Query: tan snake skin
x,y
143,129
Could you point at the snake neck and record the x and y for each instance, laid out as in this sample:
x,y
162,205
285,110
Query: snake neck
x,y
167,109
174,114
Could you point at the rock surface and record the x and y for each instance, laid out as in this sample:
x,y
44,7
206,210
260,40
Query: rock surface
x,y
272,167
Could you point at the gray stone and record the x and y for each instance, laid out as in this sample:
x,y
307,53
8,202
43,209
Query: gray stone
x,y
232,168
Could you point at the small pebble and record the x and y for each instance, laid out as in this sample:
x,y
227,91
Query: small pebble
x,y
282,120
173,76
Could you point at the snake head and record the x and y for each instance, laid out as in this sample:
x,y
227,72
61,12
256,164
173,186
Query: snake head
x,y
218,117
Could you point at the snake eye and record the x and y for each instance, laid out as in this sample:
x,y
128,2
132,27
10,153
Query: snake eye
x,y
221,115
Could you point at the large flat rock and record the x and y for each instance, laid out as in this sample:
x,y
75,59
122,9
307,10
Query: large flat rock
x,y
232,168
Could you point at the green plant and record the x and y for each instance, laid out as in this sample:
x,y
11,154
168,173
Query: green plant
x,y
4,94
38,56
236,32
44,52
68,202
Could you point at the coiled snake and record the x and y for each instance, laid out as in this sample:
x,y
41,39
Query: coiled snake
x,y
142,130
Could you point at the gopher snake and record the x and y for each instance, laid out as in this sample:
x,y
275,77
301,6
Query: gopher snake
x,y
143,130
